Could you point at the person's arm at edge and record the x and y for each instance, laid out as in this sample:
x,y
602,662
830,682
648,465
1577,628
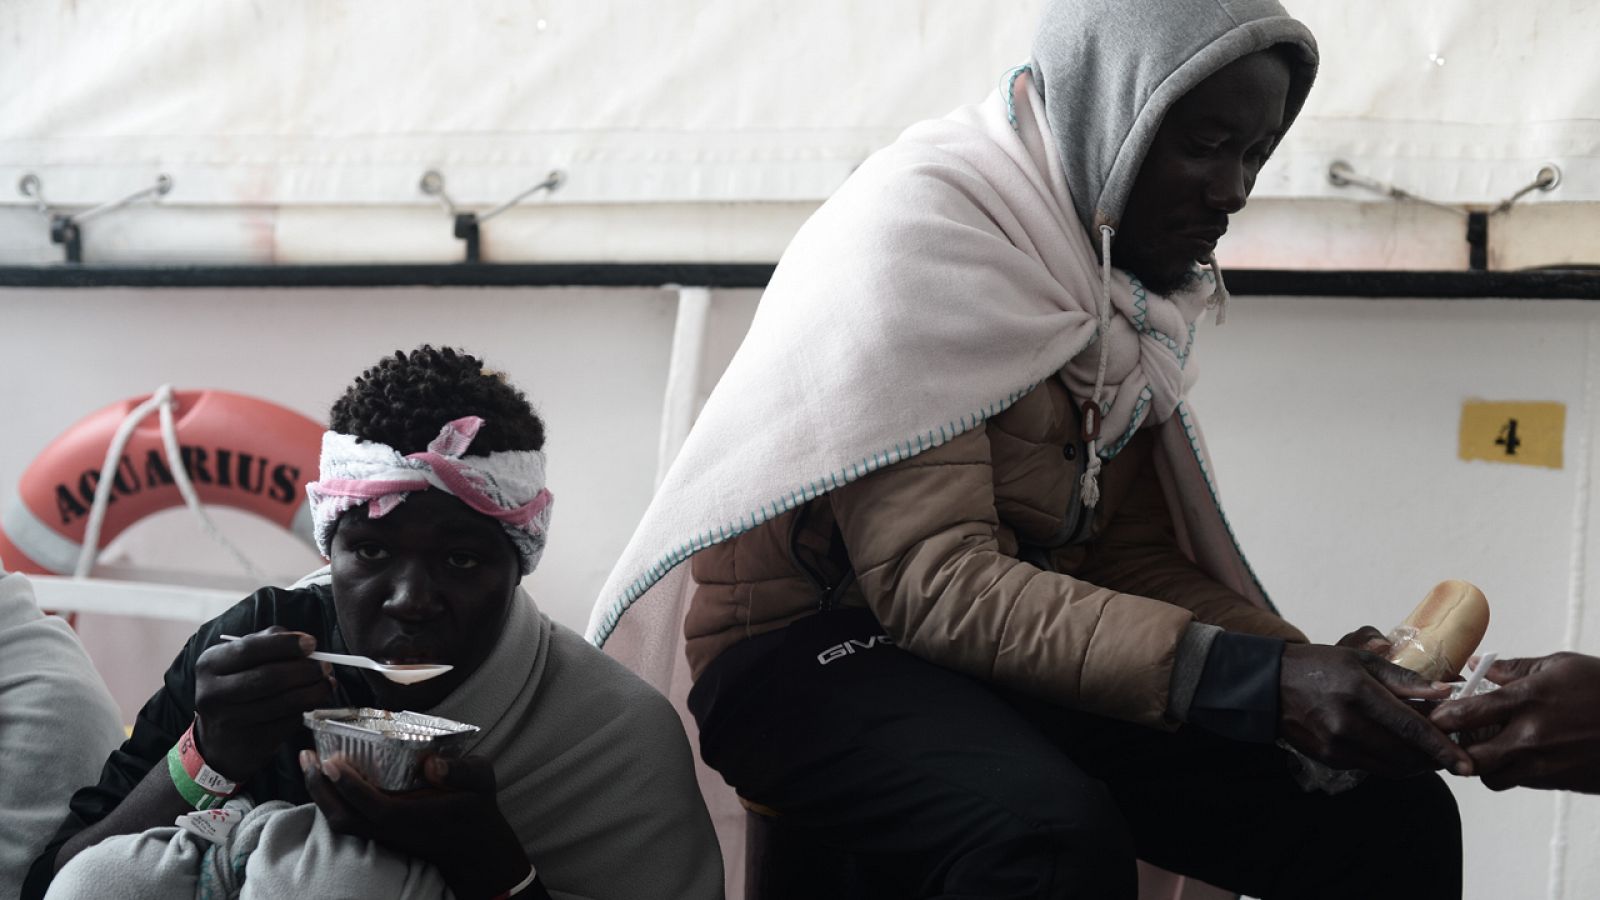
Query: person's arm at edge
x,y
126,772
1544,724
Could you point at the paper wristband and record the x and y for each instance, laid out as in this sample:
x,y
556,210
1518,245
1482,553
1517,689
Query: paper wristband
x,y
192,793
210,780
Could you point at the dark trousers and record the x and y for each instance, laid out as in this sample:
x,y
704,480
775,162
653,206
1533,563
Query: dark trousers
x,y
936,785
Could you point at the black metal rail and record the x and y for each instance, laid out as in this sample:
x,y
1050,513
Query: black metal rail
x,y
1563,284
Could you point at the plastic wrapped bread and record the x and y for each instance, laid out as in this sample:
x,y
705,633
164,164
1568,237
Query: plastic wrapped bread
x,y
1440,635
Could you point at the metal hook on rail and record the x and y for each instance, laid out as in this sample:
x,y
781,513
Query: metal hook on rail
x,y
432,184
64,228
1548,178
30,186
1342,174
466,223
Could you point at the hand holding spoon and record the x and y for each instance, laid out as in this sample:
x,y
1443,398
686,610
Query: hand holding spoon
x,y
403,673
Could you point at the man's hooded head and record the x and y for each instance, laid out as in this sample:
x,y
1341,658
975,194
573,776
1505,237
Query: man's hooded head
x,y
1163,112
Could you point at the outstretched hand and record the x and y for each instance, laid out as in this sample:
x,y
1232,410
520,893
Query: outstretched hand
x,y
1347,708
1540,730
453,823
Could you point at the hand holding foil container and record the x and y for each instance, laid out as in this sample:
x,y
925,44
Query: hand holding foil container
x,y
387,747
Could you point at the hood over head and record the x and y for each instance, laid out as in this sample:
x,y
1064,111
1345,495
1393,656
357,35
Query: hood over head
x,y
1110,70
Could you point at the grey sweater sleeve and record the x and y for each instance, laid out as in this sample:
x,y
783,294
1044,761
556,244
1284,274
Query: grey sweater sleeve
x,y
1187,666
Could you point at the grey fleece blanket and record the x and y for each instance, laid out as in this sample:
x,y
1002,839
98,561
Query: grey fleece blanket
x,y
595,778
57,724
279,850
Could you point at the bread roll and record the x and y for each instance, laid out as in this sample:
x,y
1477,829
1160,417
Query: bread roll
x,y
1439,636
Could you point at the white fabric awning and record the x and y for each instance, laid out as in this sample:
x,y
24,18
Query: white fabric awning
x,y
248,103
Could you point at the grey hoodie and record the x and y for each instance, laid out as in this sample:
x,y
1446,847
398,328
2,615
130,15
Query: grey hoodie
x,y
1111,69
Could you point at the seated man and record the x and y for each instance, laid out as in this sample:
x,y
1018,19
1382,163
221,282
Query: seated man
x,y
964,607
43,671
430,508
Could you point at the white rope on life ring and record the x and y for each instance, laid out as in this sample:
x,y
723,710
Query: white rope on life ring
x,y
162,400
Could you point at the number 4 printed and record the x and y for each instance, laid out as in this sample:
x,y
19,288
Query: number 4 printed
x,y
1508,438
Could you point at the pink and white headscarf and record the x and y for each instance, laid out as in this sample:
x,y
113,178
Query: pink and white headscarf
x,y
507,485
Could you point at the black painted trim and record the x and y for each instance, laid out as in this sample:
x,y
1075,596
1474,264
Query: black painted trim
x,y
1546,284
397,275
1567,284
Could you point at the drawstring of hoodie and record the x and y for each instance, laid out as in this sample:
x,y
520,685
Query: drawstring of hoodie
x,y
1093,411
1218,301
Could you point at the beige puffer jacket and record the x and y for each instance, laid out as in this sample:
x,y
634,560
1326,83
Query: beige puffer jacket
x,y
974,556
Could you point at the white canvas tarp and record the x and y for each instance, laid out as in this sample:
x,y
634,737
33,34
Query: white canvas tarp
x,y
250,103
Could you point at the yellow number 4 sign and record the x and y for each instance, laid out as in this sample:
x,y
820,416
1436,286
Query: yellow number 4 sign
x,y
1527,434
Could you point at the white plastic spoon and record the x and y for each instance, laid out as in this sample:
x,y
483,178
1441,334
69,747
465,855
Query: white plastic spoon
x,y
401,673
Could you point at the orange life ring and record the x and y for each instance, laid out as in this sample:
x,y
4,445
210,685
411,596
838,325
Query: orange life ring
x,y
238,451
